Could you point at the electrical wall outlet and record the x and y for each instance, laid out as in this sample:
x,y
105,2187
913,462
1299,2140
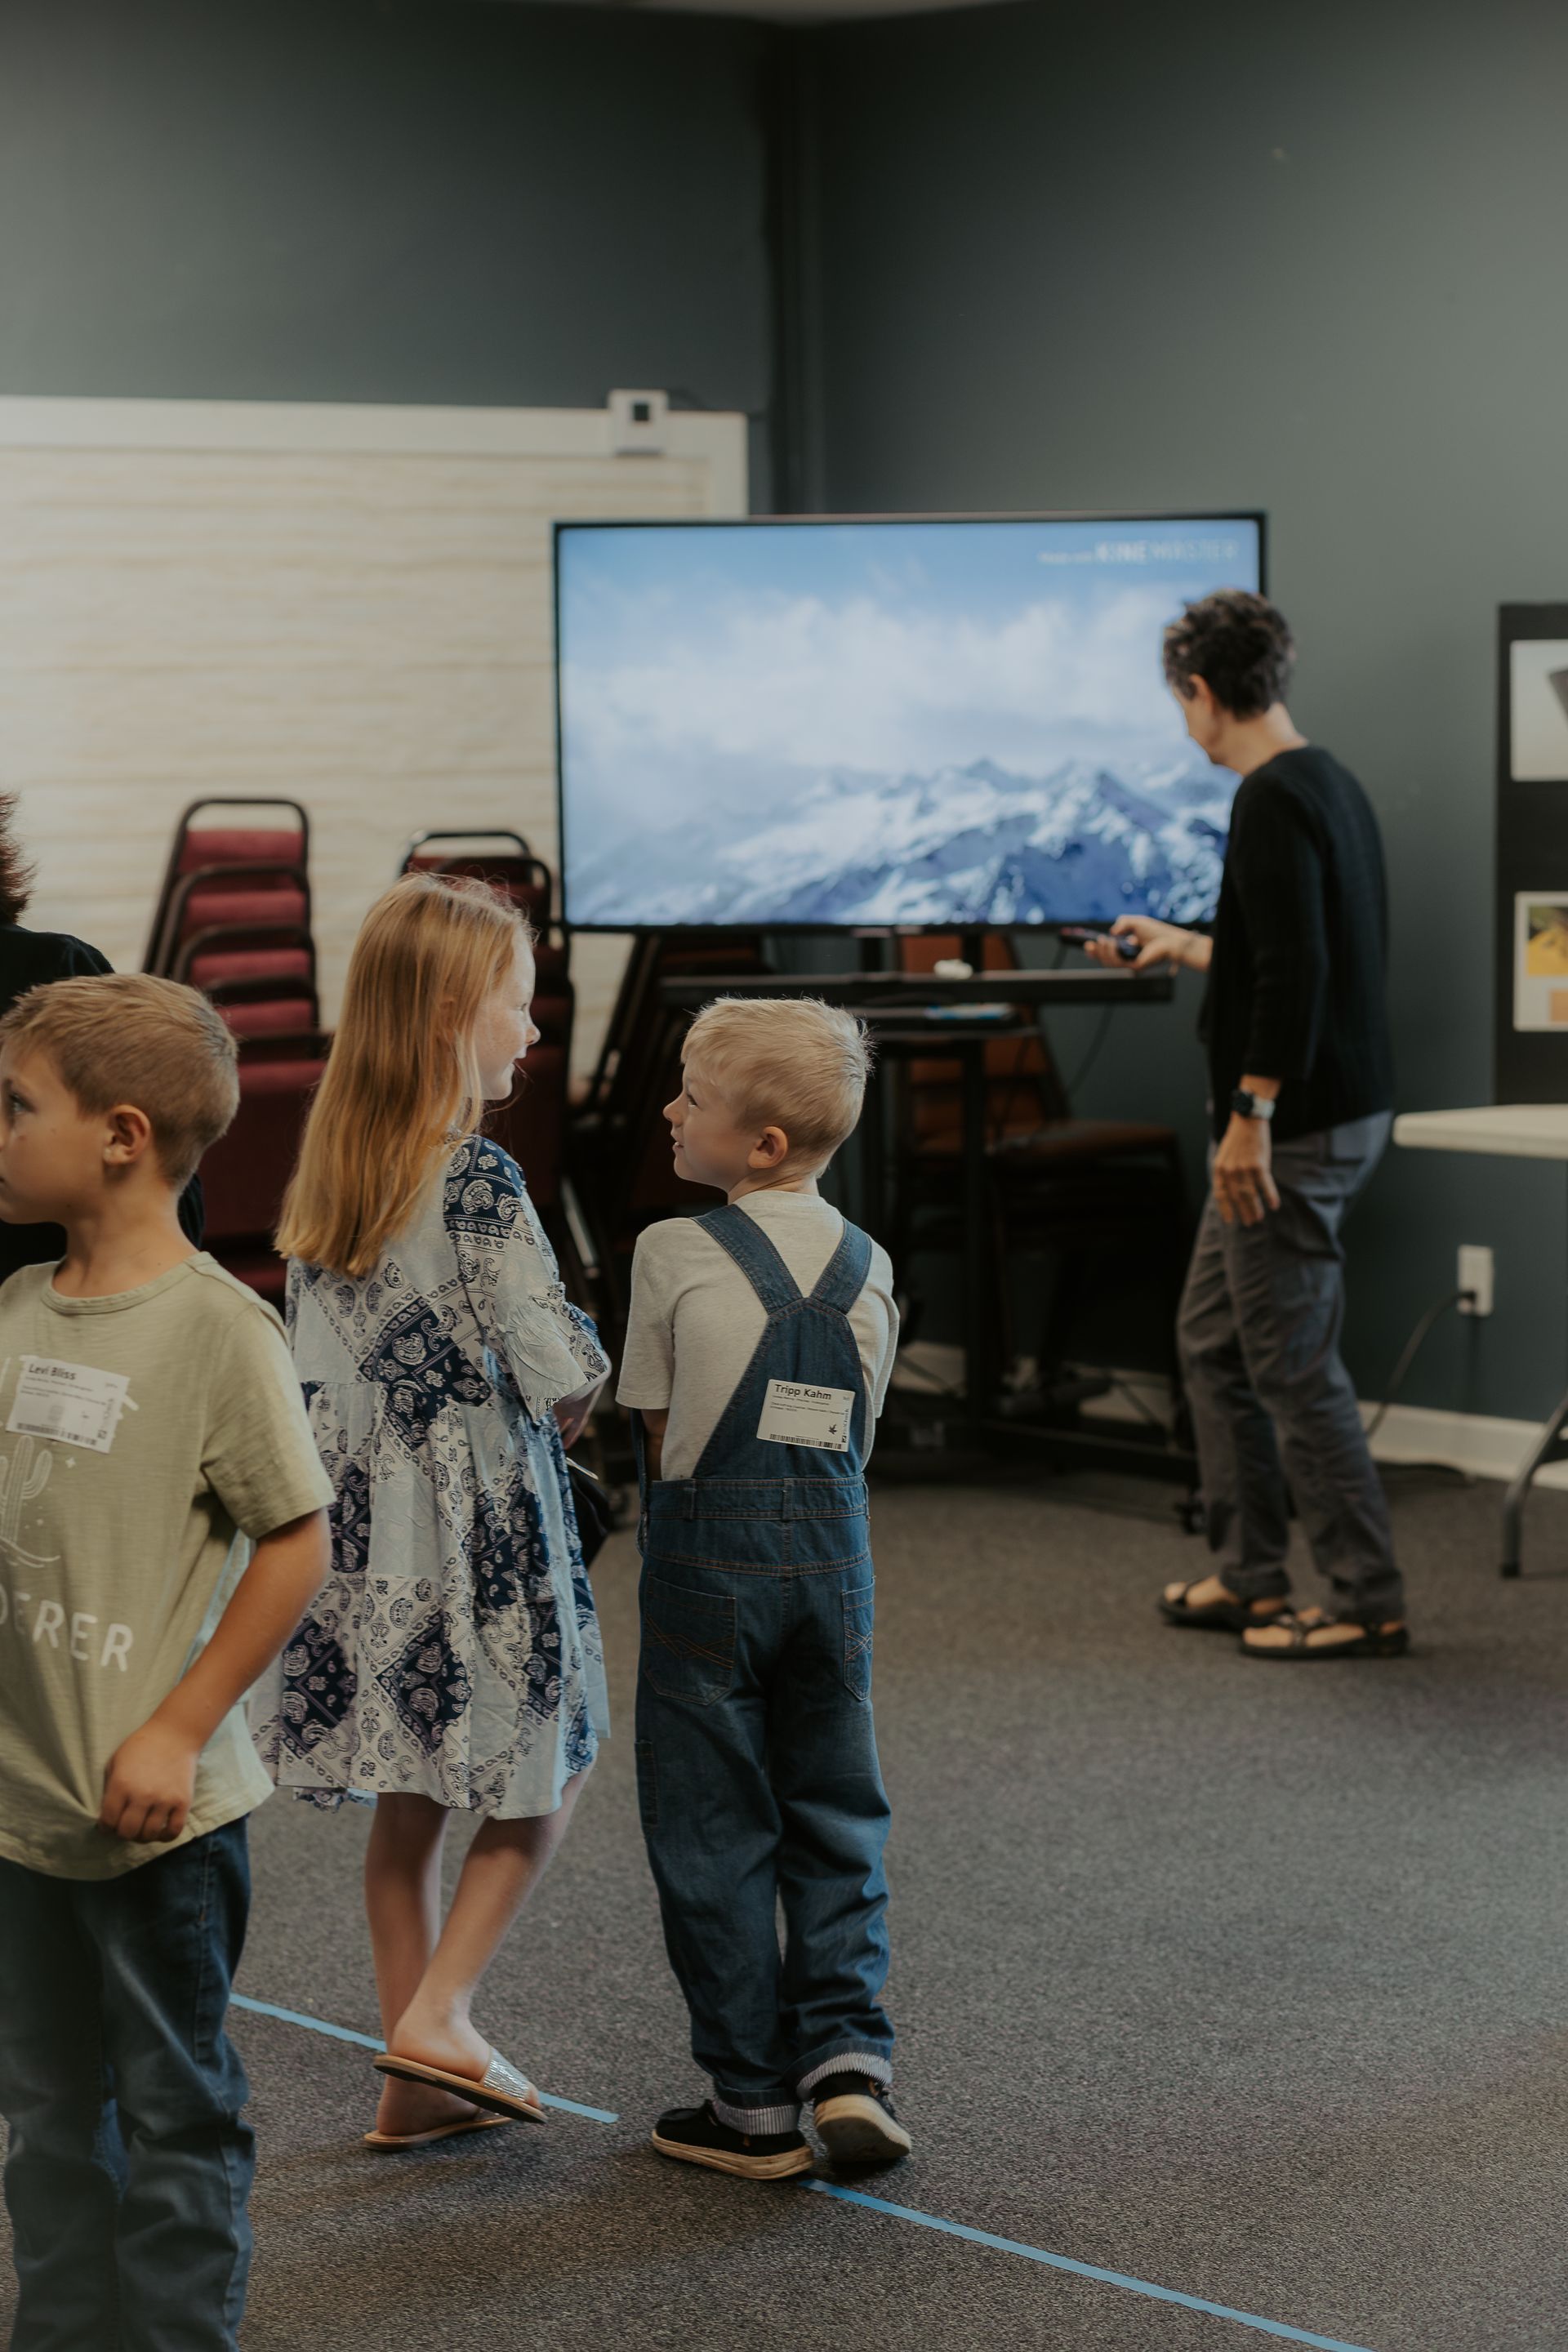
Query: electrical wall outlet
x,y
1476,1274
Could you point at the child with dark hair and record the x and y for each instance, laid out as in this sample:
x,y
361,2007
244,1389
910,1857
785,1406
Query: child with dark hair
x,y
30,960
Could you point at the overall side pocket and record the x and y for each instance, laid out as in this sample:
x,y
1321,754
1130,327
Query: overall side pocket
x,y
859,1620
687,1641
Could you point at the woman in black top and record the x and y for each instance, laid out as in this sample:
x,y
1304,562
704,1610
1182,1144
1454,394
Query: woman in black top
x,y
1301,1094
29,960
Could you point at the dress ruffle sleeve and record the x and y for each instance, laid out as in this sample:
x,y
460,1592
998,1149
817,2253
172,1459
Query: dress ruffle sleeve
x,y
509,1269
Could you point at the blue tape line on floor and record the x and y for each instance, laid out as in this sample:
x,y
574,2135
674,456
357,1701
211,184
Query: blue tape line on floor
x,y
370,2041
1275,2327
1084,2270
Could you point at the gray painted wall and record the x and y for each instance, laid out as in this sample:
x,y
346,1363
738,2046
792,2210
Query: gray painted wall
x,y
1309,260
463,200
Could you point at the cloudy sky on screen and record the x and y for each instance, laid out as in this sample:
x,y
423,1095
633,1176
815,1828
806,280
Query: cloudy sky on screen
x,y
705,665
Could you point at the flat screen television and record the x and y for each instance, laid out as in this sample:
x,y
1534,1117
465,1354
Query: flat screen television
x,y
824,725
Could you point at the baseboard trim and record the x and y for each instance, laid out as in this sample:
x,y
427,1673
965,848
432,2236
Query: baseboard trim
x,y
1481,1444
1485,1446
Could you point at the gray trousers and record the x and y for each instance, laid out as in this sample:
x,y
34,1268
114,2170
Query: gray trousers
x,y
1275,1413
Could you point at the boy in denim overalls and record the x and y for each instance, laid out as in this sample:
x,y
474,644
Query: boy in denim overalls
x,y
760,1342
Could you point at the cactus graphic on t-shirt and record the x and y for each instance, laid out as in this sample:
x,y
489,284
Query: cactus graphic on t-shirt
x,y
22,1481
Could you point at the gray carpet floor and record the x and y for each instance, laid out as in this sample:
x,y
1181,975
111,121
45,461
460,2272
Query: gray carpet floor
x,y
1245,1982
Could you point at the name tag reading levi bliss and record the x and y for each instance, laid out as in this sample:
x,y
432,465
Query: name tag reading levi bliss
x,y
75,1403
796,1415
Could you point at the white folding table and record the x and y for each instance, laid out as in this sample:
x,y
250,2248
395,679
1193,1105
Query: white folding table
x,y
1512,1132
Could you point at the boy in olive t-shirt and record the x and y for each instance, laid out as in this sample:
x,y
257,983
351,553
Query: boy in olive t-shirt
x,y
152,1432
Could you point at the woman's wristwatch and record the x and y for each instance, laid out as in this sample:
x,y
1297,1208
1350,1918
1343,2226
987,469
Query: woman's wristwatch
x,y
1251,1106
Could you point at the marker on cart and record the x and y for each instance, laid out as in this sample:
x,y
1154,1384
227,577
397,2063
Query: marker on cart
x,y
1077,935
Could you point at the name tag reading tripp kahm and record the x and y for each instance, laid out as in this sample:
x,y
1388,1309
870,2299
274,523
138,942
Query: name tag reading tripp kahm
x,y
794,1413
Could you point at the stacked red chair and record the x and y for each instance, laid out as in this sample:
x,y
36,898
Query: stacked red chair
x,y
233,916
233,919
246,1172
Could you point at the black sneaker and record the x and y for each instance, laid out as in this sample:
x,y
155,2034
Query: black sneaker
x,y
695,2135
856,2122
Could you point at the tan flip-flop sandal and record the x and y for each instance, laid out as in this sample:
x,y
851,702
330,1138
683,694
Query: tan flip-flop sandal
x,y
502,2089
387,2143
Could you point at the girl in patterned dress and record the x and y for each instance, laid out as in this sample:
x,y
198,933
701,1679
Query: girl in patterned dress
x,y
451,1663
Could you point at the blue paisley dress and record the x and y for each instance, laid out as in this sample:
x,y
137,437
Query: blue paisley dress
x,y
454,1650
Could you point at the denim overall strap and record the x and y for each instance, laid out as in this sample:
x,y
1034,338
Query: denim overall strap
x,y
843,1278
755,1255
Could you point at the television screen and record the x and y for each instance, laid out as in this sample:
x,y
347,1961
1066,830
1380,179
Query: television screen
x,y
827,724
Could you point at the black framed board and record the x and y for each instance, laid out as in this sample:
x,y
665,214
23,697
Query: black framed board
x,y
1530,1031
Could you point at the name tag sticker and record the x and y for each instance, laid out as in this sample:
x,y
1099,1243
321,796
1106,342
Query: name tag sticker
x,y
796,1415
74,1403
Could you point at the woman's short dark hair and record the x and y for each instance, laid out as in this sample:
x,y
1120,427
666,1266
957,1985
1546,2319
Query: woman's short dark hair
x,y
1238,644
15,874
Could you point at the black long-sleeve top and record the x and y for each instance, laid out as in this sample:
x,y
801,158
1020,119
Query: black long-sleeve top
x,y
1300,948
28,959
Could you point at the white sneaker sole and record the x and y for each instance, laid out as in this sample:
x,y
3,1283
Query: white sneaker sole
x,y
855,2129
744,2168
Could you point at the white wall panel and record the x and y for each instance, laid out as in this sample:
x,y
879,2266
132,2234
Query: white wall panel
x,y
347,605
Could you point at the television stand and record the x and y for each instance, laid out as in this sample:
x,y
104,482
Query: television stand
x,y
922,1016
907,991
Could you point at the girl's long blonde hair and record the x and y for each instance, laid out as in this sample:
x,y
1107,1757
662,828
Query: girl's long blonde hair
x,y
402,1080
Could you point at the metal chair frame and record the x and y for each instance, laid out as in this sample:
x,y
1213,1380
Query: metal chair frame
x,y
183,830
204,877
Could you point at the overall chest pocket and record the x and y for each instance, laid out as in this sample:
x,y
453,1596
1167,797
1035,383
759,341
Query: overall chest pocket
x,y
687,1641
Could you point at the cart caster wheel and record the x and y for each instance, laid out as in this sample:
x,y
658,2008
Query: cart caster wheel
x,y
1193,1516
1509,1568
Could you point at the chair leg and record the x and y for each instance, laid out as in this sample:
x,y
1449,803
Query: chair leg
x,y
1061,1314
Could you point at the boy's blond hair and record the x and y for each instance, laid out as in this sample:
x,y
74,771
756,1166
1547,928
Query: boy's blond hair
x,y
786,1061
124,1037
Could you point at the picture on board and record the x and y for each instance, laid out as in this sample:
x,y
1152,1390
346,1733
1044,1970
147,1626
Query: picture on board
x,y
1540,960
1539,711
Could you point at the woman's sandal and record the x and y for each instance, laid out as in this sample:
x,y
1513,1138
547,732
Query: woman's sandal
x,y
503,2091
1211,1616
389,2143
1290,1636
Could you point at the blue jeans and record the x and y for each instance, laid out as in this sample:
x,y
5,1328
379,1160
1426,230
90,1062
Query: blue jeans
x,y
128,2166
760,1790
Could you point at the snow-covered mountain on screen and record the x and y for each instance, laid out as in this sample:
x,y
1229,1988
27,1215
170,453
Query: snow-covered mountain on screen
x,y
970,844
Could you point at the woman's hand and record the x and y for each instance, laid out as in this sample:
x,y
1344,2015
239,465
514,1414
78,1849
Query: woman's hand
x,y
1243,1186
1157,943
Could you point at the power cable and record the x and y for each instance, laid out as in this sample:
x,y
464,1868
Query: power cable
x,y
1092,1056
1412,1350
1397,1381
